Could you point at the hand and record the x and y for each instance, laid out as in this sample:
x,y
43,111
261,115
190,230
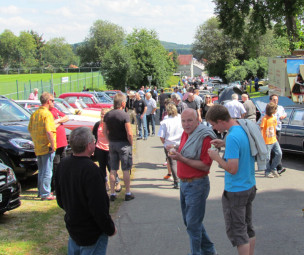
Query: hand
x,y
218,143
141,116
175,155
213,154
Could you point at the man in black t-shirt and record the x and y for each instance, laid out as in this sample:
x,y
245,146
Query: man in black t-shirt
x,y
117,129
140,107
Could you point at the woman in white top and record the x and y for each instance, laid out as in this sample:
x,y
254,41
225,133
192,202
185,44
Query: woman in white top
x,y
170,133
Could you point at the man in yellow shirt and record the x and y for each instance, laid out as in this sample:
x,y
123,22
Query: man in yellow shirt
x,y
43,132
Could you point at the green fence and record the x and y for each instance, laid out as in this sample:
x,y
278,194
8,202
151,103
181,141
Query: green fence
x,y
69,82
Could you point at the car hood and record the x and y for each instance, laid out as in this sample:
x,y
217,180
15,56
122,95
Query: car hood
x,y
261,102
15,129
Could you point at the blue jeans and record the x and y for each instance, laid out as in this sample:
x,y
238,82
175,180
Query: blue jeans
x,y
99,248
275,147
193,196
151,118
142,123
161,110
45,172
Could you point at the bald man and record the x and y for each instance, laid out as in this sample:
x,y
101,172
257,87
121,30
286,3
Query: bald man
x,y
249,107
193,164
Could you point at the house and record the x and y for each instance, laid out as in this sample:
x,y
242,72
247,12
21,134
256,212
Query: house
x,y
189,66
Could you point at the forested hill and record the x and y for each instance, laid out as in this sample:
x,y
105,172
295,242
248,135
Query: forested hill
x,y
183,49
180,48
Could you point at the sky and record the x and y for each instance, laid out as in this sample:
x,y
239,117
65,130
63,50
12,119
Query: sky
x,y
173,20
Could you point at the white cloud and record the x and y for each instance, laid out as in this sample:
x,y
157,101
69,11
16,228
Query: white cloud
x,y
173,20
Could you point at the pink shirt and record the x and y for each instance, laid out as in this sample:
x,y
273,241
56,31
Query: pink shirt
x,y
102,141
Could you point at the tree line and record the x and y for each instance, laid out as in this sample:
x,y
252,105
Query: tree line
x,y
236,43
124,59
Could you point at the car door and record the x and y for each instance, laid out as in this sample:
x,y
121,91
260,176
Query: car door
x,y
295,131
284,135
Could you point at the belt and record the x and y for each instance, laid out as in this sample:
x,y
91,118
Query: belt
x,y
193,179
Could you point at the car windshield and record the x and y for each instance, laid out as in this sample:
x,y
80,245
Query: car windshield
x,y
61,107
10,111
80,104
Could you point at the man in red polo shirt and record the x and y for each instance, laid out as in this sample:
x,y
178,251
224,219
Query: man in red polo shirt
x,y
193,164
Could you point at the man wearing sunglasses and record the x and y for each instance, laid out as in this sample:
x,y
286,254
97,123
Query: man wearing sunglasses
x,y
43,132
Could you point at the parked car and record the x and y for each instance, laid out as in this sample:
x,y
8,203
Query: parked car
x,y
112,93
292,133
9,189
74,121
16,146
101,96
87,98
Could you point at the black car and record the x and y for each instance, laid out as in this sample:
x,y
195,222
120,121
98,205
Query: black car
x,y
16,146
292,133
9,189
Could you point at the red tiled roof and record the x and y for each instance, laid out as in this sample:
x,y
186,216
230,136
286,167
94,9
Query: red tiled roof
x,y
185,59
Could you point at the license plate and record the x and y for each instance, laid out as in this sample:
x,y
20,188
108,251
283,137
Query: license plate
x,y
0,197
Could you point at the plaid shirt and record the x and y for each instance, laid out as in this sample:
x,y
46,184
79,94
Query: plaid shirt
x,y
41,122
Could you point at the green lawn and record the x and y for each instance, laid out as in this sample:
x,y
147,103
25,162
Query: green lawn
x,y
25,83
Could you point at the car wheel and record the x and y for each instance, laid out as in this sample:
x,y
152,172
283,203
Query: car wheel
x,y
5,160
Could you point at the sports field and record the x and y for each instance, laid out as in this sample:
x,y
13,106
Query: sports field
x,y
20,86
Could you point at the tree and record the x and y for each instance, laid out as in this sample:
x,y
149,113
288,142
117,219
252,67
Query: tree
x,y
149,58
58,53
103,35
215,47
116,67
39,42
9,50
233,15
27,51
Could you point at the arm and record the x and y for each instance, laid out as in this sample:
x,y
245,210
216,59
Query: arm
x,y
144,112
105,130
218,143
197,164
50,137
162,140
129,132
231,166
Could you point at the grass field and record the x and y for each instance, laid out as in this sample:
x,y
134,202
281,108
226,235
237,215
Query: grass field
x,y
14,86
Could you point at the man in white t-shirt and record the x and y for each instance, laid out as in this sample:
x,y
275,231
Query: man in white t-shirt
x,y
235,108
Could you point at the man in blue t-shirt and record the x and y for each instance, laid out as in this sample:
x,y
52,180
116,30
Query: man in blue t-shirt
x,y
240,182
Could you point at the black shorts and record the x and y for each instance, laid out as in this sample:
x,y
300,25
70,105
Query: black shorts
x,y
237,209
120,151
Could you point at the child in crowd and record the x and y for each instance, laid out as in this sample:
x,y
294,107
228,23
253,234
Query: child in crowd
x,y
268,128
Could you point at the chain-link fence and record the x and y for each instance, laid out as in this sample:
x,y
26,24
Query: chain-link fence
x,y
20,90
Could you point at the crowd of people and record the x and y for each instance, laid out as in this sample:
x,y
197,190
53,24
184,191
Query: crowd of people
x,y
189,131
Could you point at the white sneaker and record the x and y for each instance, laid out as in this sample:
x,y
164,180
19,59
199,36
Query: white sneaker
x,y
170,179
269,175
275,173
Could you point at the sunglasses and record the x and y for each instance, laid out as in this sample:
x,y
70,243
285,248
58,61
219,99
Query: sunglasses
x,y
52,100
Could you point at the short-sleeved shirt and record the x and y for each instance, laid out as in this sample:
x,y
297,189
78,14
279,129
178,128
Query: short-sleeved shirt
x,y
192,105
161,98
102,141
61,139
238,147
115,121
250,110
171,130
187,172
42,121
139,106
268,125
280,112
235,109
151,104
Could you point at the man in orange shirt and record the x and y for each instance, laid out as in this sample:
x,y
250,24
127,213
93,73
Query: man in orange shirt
x,y
268,128
43,132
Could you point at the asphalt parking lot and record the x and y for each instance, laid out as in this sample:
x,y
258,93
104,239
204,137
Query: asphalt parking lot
x,y
152,223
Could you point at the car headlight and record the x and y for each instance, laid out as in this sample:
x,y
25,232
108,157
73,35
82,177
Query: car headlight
x,y
11,177
21,143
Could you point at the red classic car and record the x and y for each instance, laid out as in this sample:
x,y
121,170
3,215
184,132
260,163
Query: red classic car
x,y
89,99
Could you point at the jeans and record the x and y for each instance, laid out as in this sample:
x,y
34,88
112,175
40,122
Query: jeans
x,y
151,118
99,248
193,196
275,147
45,172
161,110
142,123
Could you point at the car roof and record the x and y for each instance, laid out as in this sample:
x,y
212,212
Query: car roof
x,y
76,94
300,106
